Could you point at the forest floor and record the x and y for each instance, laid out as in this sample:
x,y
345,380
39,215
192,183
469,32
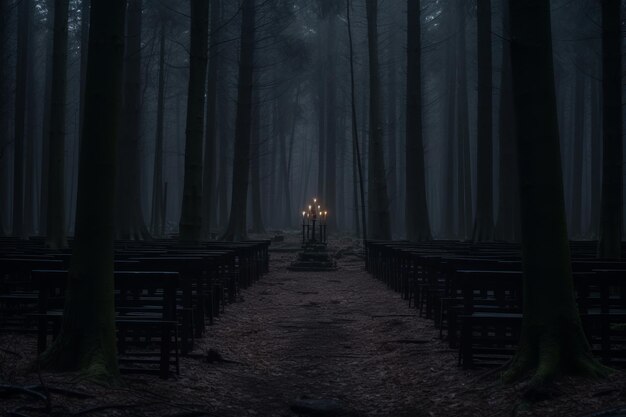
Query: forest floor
x,y
342,337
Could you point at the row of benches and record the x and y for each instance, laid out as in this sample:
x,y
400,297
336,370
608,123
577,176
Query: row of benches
x,y
473,293
164,295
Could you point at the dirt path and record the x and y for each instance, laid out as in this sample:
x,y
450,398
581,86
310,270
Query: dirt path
x,y
339,335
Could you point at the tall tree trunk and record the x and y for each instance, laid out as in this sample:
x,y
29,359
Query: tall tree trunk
x,y
552,338
330,184
158,203
45,136
87,338
577,155
222,186
29,143
416,214
464,171
392,122
255,170
282,120
55,235
236,229
191,216
130,223
322,129
4,105
612,125
210,135
483,224
378,200
596,159
451,215
508,223
23,35
355,134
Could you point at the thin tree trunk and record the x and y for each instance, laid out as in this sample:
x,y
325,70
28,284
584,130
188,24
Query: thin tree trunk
x,y
158,201
29,157
255,170
577,156
451,215
87,339
378,200
236,229
210,135
464,171
45,137
23,35
483,224
508,223
416,211
130,223
552,340
191,216
355,133
330,184
611,218
4,105
55,235
596,159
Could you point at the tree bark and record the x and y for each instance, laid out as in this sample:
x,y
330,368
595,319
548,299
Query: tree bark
x,y
596,159
378,200
508,223
45,136
483,222
236,229
464,170
55,236
87,338
191,216
577,157
552,339
158,203
255,170
4,121
130,223
416,214
355,138
330,184
210,135
611,217
23,35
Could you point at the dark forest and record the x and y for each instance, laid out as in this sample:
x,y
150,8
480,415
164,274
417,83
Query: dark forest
x,y
312,208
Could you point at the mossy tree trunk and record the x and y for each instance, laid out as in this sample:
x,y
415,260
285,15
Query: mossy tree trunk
x,y
552,340
87,338
416,214
612,125
236,229
379,224
55,236
191,215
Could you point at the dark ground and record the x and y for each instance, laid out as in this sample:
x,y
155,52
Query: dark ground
x,y
338,336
